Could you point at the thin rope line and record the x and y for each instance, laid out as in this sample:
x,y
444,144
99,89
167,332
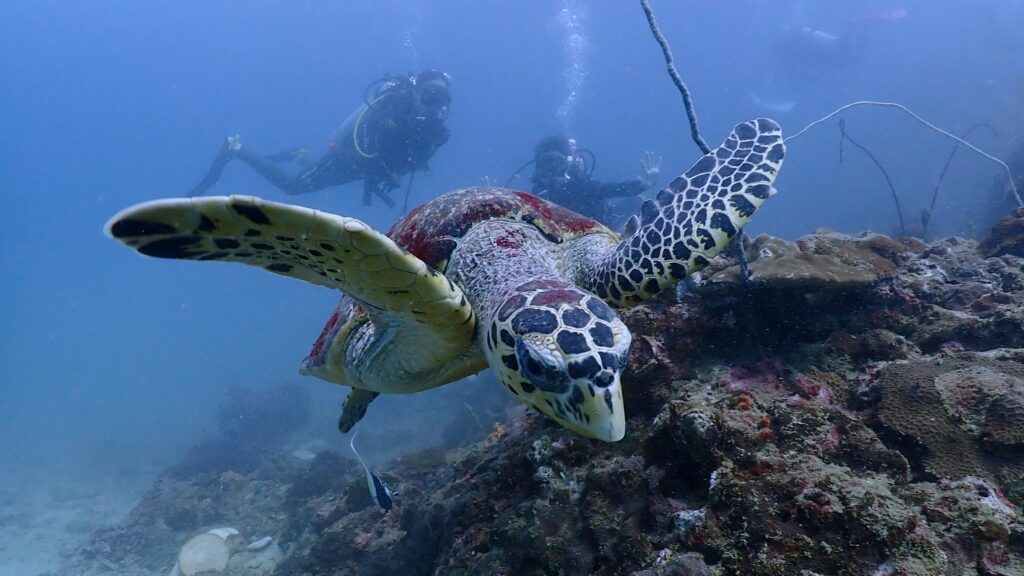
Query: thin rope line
x,y
676,78
975,149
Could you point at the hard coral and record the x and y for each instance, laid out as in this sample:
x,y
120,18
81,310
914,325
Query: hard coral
x,y
873,344
1007,236
872,253
803,270
965,410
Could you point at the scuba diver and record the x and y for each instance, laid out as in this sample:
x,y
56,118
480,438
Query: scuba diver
x,y
809,53
397,130
561,175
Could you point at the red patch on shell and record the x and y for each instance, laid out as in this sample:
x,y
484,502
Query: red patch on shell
x,y
552,298
540,206
322,340
541,284
431,231
508,243
562,219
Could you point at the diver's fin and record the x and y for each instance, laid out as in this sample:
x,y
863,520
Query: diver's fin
x,y
231,145
355,408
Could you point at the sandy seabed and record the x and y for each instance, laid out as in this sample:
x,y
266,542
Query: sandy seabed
x,y
46,514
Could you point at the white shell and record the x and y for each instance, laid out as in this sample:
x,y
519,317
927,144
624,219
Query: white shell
x,y
260,544
203,553
224,533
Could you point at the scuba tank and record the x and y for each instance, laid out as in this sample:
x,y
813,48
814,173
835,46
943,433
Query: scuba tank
x,y
351,134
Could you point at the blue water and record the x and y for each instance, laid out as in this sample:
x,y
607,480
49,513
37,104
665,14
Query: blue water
x,y
109,360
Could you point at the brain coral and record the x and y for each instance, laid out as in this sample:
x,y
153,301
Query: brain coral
x,y
967,410
822,260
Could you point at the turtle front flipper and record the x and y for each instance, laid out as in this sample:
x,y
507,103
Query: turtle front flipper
x,y
689,222
420,328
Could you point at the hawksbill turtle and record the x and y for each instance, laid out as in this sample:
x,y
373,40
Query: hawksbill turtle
x,y
480,277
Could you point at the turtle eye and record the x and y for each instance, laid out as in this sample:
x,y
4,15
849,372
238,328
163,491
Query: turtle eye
x,y
538,369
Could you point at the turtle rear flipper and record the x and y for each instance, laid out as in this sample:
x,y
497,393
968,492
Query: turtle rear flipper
x,y
355,408
689,222
422,325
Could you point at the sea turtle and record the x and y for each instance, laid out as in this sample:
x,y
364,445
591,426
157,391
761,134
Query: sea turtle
x,y
480,277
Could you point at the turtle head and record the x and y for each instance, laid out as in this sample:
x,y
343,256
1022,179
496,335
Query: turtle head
x,y
561,350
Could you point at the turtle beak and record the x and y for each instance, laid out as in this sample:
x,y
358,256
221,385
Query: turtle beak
x,y
601,415
607,415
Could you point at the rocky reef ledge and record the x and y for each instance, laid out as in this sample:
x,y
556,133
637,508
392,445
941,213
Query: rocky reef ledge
x,y
855,408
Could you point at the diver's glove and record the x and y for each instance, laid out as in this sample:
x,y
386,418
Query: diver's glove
x,y
650,169
232,144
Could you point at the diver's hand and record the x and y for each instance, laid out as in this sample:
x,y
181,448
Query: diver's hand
x,y
232,144
650,169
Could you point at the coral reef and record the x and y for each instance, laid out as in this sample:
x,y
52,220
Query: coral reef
x,y
1001,200
856,408
1007,236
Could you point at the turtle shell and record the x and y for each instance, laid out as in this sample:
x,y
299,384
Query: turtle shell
x,y
432,231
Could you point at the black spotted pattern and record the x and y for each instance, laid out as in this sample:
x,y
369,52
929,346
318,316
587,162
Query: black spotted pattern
x,y
206,224
131,228
534,320
174,247
600,309
575,318
510,361
253,213
586,368
601,334
572,342
693,219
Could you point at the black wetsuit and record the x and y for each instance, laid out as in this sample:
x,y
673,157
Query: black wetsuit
x,y
380,144
590,197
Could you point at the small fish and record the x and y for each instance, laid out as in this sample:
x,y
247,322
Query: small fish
x,y
379,490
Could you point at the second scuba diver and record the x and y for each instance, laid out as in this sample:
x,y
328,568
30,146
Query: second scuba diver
x,y
561,175
397,130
